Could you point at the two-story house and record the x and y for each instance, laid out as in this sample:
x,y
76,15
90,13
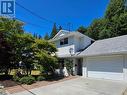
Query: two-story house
x,y
69,44
106,59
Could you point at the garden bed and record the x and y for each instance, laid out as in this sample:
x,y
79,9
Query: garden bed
x,y
13,87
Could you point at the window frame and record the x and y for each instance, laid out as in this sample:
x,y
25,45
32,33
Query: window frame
x,y
64,41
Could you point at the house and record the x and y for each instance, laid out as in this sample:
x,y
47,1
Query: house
x,y
69,44
106,59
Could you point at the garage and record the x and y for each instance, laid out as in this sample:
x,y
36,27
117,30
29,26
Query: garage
x,y
106,67
106,59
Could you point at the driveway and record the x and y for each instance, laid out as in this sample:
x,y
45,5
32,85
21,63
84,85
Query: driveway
x,y
80,86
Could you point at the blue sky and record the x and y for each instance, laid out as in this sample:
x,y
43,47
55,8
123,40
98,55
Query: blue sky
x,y
76,12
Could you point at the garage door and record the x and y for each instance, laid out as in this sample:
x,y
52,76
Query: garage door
x,y
105,67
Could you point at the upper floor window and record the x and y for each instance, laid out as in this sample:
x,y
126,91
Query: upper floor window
x,y
64,41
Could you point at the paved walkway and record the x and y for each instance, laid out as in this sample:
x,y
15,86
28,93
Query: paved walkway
x,y
80,86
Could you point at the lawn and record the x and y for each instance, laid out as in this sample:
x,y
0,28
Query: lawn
x,y
34,72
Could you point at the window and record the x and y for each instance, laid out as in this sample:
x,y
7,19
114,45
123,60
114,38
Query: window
x,y
64,41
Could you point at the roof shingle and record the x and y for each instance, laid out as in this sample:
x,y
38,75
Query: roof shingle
x,y
116,45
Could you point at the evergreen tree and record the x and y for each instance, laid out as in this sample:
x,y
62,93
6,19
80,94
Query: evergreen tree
x,y
82,29
39,37
116,15
35,35
113,24
46,37
115,7
95,28
54,31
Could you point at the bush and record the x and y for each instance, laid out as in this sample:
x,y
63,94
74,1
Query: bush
x,y
27,80
16,78
40,78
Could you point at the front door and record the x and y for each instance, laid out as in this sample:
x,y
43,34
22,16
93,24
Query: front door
x,y
79,67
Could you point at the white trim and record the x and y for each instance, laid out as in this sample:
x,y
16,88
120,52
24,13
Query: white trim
x,y
84,68
125,66
118,55
59,33
104,54
72,33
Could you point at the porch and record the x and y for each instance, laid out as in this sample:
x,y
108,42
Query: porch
x,y
70,66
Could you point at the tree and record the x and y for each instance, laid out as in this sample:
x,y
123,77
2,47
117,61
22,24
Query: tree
x,y
35,35
39,36
54,31
8,28
46,37
21,50
115,7
120,24
113,24
82,29
116,15
44,51
4,54
95,28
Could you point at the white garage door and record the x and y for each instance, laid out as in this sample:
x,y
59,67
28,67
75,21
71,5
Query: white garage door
x,y
105,67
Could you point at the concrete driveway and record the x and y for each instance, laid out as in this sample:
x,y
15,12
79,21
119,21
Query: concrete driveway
x,y
80,86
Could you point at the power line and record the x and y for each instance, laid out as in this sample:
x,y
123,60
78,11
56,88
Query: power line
x,y
33,13
29,23
40,17
32,24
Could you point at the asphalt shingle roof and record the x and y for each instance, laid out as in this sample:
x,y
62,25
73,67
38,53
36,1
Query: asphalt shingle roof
x,y
116,45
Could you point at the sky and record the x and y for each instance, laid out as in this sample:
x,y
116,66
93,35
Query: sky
x,y
61,12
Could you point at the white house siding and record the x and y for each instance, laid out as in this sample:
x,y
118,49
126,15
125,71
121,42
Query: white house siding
x,y
84,70
107,67
81,43
125,67
84,42
64,49
77,43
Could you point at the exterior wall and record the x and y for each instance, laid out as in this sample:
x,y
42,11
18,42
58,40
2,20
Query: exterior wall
x,y
125,67
73,42
84,42
81,43
64,49
84,70
77,43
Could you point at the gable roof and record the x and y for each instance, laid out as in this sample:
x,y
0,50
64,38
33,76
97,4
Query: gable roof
x,y
63,34
60,32
116,45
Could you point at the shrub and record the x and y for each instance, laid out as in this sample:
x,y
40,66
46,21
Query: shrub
x,y
40,78
27,80
49,77
16,78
